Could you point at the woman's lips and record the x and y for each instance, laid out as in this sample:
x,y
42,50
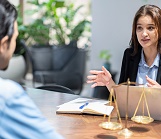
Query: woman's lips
x,y
145,40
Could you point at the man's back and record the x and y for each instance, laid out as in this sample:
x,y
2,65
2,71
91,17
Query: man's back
x,y
20,118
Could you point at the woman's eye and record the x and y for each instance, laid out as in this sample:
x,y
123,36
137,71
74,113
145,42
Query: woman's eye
x,y
150,28
139,28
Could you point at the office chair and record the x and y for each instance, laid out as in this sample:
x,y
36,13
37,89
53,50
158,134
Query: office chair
x,y
50,65
40,60
57,88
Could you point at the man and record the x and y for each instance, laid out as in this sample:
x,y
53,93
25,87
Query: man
x,y
19,117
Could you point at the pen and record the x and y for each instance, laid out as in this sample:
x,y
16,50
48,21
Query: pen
x,y
81,107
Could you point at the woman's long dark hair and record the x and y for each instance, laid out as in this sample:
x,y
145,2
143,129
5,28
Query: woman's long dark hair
x,y
155,13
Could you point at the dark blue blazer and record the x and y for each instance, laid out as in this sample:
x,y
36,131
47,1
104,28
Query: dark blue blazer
x,y
130,64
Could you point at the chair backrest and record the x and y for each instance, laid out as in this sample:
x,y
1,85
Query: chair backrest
x,y
57,88
54,65
40,56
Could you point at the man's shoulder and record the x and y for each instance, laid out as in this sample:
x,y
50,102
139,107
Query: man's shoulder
x,y
9,88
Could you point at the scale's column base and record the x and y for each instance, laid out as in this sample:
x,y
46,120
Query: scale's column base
x,y
111,125
125,132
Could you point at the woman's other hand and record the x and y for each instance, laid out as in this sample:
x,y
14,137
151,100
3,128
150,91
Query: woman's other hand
x,y
99,78
152,83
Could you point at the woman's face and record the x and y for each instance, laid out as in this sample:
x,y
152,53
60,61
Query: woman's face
x,y
147,33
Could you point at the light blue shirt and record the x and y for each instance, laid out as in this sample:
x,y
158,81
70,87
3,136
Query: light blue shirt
x,y
19,117
144,70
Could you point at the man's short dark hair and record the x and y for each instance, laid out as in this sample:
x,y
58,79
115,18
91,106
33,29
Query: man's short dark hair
x,y
8,15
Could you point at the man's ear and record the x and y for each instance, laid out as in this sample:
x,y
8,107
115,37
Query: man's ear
x,y
4,44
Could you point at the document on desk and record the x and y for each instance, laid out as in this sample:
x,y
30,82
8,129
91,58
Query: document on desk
x,y
85,105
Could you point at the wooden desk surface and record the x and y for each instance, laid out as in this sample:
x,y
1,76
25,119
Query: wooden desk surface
x,y
73,126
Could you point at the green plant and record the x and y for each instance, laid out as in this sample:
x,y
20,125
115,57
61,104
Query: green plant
x,y
66,28
22,34
39,30
105,54
57,20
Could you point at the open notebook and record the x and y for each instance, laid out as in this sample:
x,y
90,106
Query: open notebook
x,y
85,105
153,96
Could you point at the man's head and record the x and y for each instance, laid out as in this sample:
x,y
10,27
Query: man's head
x,y
8,32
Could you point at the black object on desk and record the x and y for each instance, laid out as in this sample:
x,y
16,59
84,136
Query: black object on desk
x,y
101,91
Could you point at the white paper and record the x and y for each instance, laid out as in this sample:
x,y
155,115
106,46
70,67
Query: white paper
x,y
81,101
94,106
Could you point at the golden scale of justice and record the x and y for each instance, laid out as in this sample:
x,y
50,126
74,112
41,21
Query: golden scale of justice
x,y
142,119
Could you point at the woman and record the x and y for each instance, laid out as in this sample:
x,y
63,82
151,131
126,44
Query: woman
x,y
141,62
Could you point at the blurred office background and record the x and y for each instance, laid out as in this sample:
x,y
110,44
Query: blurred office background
x,y
110,30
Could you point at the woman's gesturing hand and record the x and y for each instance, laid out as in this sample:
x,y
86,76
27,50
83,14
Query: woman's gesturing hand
x,y
99,78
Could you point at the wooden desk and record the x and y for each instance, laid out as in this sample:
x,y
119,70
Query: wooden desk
x,y
73,126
